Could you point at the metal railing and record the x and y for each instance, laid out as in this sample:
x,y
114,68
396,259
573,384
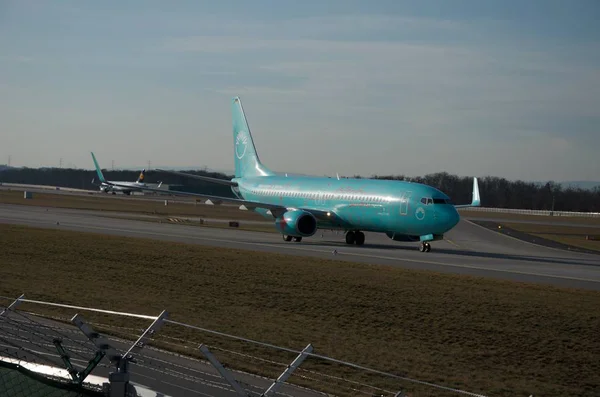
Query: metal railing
x,y
40,337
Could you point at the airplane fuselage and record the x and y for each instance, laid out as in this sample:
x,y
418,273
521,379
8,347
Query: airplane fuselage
x,y
131,186
393,207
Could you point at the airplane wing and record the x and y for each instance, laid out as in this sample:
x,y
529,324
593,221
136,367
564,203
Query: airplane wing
x,y
329,217
476,201
203,178
275,209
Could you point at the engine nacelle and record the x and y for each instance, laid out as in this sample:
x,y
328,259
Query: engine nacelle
x,y
297,223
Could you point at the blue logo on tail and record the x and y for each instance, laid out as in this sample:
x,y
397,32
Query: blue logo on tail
x,y
241,144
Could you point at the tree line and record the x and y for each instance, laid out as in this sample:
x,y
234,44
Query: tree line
x,y
495,192
501,193
88,180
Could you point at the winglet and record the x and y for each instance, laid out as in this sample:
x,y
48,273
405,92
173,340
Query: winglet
x,y
476,199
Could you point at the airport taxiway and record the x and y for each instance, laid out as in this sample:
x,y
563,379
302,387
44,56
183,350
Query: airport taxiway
x,y
468,249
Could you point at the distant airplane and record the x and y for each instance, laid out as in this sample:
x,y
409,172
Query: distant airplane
x,y
118,186
300,205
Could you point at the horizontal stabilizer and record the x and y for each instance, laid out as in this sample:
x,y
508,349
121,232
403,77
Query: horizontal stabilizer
x,y
202,178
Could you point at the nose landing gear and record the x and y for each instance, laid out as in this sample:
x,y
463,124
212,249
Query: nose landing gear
x,y
289,238
425,247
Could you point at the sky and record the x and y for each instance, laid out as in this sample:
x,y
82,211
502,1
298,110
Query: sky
x,y
504,88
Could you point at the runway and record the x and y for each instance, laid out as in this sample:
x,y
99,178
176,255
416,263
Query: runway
x,y
469,249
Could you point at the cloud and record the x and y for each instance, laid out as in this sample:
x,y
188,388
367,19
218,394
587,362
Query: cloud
x,y
392,93
432,88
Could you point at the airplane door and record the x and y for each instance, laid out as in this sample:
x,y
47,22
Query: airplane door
x,y
320,200
404,203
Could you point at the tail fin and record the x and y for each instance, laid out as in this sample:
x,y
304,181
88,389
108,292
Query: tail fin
x,y
141,177
245,157
98,170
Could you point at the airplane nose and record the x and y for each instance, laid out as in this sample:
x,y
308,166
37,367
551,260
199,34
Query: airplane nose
x,y
453,217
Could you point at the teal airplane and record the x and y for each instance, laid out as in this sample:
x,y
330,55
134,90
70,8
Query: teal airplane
x,y
299,206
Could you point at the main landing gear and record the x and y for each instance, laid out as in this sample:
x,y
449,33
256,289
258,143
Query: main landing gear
x,y
425,247
289,238
355,237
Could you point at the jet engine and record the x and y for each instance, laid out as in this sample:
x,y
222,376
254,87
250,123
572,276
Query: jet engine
x,y
296,223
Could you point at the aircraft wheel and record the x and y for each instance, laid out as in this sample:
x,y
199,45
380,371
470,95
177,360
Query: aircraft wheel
x,y
350,238
297,239
359,238
427,247
422,247
286,237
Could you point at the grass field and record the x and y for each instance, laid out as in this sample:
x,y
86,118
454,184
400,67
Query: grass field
x,y
575,236
534,218
129,204
494,337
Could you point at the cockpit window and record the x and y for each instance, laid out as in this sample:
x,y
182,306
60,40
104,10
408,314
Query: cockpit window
x,y
441,201
424,200
429,201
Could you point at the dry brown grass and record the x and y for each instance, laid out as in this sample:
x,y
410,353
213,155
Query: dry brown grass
x,y
495,337
533,218
575,236
132,204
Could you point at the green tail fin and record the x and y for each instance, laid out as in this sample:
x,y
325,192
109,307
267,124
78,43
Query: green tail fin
x,y
245,157
98,170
